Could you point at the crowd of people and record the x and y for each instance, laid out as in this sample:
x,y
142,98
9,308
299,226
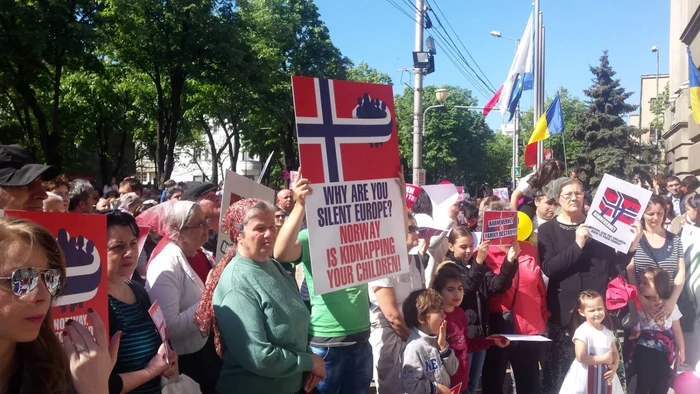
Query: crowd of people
x,y
240,322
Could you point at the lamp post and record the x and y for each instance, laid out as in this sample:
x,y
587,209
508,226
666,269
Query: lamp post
x,y
516,121
655,49
441,96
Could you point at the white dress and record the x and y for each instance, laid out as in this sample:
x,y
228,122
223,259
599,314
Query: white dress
x,y
580,376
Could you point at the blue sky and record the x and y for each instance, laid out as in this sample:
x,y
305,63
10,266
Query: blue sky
x,y
577,32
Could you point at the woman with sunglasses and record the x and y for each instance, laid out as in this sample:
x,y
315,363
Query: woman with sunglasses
x,y
141,360
175,277
32,273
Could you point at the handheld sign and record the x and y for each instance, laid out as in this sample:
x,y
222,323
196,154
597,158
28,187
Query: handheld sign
x,y
456,389
159,320
616,206
412,192
238,187
502,193
500,227
348,148
83,240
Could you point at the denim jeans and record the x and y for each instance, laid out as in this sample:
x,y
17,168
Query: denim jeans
x,y
348,369
476,363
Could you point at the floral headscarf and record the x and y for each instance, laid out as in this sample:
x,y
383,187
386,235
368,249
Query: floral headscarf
x,y
232,224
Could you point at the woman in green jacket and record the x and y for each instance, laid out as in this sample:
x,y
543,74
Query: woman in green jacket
x,y
259,320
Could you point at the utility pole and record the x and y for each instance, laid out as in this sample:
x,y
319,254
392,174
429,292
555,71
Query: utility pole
x,y
418,99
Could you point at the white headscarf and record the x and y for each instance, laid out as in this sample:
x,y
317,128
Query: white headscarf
x,y
167,218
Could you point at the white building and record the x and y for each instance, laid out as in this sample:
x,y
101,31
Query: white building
x,y
195,164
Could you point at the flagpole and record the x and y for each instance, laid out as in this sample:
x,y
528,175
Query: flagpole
x,y
537,80
563,142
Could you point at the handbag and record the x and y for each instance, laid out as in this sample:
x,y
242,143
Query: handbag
x,y
181,384
504,322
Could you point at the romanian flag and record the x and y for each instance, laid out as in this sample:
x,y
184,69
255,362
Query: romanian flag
x,y
551,122
694,91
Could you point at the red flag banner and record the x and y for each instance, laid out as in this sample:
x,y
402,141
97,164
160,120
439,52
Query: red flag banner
x,y
531,155
83,239
492,103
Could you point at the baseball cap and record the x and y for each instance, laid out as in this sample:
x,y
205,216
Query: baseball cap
x,y
193,193
19,168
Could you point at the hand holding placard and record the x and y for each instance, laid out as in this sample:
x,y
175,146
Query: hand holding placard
x,y
582,235
301,189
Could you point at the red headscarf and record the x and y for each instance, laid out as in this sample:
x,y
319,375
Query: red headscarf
x,y
231,224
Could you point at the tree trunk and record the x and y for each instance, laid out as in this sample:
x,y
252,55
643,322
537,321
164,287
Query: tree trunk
x,y
161,127
178,78
212,148
51,155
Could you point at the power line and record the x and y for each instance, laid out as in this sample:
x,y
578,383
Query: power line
x,y
453,53
398,7
460,41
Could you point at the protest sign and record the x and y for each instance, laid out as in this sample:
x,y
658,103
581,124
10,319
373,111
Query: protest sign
x,y
238,187
456,389
502,193
158,318
412,192
348,149
616,206
500,227
442,197
83,240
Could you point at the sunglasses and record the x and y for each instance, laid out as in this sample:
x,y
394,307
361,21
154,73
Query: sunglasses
x,y
25,280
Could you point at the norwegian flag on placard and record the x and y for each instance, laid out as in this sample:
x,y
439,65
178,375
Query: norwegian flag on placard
x,y
619,207
346,130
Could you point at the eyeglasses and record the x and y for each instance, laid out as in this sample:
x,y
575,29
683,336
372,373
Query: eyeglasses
x,y
199,226
412,229
569,196
25,280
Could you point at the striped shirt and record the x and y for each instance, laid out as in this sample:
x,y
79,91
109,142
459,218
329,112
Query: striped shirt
x,y
665,257
139,343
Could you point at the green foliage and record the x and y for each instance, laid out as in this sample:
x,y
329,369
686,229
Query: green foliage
x,y
364,73
610,146
455,140
658,109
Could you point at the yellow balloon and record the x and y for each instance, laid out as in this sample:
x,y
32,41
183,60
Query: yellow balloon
x,y
524,226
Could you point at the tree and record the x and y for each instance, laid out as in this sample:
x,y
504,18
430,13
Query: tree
x,y
571,108
290,39
169,41
610,146
499,149
658,109
39,42
362,72
454,142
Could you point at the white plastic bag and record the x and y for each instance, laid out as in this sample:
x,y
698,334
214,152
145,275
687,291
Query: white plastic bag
x,y
182,384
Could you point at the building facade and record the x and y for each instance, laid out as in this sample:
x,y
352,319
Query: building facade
x,y
681,133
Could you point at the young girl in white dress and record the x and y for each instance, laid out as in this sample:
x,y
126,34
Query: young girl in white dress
x,y
593,370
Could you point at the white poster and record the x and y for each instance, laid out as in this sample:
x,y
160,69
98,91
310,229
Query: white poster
x,y
359,233
616,206
238,187
442,197
502,193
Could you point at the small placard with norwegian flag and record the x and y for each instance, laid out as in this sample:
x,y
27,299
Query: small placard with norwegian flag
x,y
616,206
348,149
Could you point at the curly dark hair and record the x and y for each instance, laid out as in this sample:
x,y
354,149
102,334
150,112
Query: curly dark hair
x,y
551,169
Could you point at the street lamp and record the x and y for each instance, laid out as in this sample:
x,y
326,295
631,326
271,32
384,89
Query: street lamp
x,y
497,34
441,96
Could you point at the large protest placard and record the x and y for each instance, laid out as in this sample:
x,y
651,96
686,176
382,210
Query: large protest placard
x,y
348,149
442,197
616,206
238,187
500,227
83,239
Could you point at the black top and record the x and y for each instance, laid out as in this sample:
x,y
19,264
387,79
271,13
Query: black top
x,y
571,269
479,282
